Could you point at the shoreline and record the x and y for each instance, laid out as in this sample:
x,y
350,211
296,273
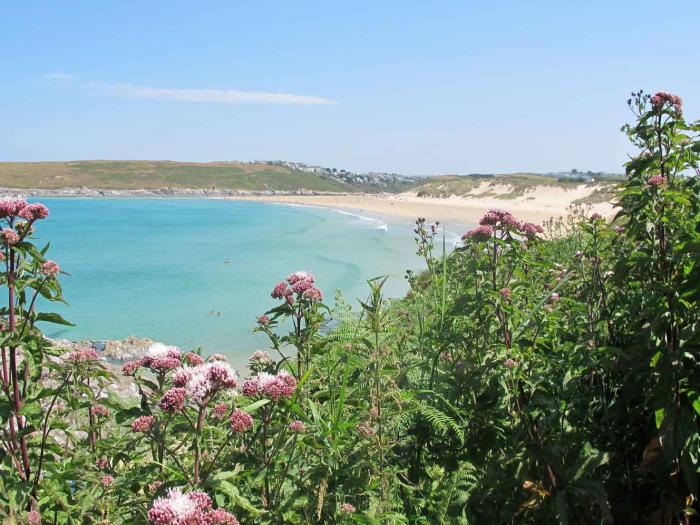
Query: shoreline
x,y
537,206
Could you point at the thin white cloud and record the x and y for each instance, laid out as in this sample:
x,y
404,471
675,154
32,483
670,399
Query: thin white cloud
x,y
216,96
58,76
222,96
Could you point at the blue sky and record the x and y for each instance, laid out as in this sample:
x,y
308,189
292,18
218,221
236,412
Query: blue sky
x,y
411,87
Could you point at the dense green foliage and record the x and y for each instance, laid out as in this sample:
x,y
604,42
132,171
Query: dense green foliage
x,y
526,378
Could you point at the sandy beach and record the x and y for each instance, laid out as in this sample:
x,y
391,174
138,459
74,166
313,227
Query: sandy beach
x,y
536,206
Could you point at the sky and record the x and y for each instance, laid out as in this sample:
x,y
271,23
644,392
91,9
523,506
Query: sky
x,y
400,86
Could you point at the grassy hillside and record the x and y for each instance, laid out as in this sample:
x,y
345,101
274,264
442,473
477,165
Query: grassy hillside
x,y
518,184
161,174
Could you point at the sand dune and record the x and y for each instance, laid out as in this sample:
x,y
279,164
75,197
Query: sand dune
x,y
536,205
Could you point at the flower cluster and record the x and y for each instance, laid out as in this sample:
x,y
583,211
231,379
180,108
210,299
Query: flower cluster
x,y
194,508
300,283
531,230
193,359
11,208
656,181
662,97
274,387
161,358
83,356
478,234
219,411
9,236
240,421
297,427
99,411
143,424
347,508
201,382
365,430
34,518
261,361
50,268
501,220
173,400
130,367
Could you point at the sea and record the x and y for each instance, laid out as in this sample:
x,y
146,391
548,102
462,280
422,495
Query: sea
x,y
196,273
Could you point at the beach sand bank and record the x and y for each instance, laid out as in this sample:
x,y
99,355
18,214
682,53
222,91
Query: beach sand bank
x,y
543,205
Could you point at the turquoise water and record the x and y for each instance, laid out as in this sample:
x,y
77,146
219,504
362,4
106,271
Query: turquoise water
x,y
157,267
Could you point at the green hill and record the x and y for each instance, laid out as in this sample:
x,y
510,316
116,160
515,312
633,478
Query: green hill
x,y
124,175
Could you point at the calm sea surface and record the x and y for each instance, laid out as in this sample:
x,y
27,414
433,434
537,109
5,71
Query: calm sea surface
x,y
197,273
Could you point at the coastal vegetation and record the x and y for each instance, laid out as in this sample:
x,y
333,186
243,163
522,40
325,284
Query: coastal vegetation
x,y
535,374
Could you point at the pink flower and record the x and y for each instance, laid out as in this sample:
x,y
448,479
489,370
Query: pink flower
x,y
161,358
219,411
663,97
554,298
274,387
100,411
34,212
130,367
347,508
509,363
102,463
365,430
596,217
50,268
240,421
33,517
619,229
260,361
500,220
300,276
220,517
656,181
217,357
9,236
280,290
531,230
203,381
11,207
302,285
505,293
263,320
143,424
297,426
107,480
173,400
478,234
313,294
193,359
85,356
177,508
